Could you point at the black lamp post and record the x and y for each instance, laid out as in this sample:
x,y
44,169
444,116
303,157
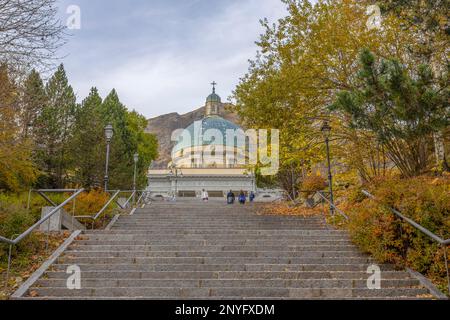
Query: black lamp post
x,y
136,159
326,131
175,172
109,132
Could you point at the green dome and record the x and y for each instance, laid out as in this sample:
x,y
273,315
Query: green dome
x,y
213,97
212,122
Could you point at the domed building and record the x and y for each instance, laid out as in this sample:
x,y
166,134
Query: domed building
x,y
209,154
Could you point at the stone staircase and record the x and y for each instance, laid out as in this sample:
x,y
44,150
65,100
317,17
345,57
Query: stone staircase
x,y
194,250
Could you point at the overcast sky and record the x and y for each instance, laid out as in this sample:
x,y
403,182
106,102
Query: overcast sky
x,y
162,55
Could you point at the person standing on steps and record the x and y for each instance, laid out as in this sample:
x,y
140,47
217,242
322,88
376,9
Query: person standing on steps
x,y
205,196
242,197
231,197
252,196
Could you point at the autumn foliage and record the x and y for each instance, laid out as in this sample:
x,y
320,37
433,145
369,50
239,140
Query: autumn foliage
x,y
379,232
88,203
314,183
285,209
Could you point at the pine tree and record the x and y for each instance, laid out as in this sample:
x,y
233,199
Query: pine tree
x,y
122,150
129,138
401,108
33,101
429,21
88,141
55,130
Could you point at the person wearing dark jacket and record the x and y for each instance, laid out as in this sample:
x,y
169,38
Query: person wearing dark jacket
x,y
242,198
252,196
230,197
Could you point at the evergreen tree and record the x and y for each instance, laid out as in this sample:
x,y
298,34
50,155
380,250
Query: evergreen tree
x,y
54,130
129,138
429,21
401,108
33,101
88,141
115,113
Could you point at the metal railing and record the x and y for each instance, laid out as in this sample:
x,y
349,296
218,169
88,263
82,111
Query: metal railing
x,y
139,194
443,242
132,198
15,241
100,212
114,198
324,198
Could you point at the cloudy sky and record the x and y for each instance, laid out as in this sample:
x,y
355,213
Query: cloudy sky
x,y
162,55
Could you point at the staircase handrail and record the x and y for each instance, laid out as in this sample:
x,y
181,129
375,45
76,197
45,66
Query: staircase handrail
x,y
412,222
443,242
15,241
342,213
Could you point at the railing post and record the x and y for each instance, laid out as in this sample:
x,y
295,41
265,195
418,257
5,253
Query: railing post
x,y
446,267
323,207
48,235
73,214
9,266
29,200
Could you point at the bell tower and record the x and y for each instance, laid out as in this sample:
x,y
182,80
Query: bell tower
x,y
213,102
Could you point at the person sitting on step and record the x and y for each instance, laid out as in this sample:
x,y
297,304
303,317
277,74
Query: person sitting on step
x,y
252,196
230,197
242,197
205,196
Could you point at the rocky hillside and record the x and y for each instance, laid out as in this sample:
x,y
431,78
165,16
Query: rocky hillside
x,y
164,125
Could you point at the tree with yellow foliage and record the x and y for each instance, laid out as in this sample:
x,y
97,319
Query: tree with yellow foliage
x,y
304,61
16,167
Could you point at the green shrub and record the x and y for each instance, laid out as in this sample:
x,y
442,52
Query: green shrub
x,y
379,232
14,220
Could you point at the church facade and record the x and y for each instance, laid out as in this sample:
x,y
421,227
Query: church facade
x,y
206,156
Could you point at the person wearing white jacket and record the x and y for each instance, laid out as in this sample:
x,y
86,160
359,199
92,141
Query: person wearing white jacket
x,y
205,195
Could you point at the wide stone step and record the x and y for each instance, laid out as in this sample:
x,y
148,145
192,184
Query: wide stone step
x,y
204,222
222,232
212,260
218,217
172,226
237,292
224,275
176,242
231,254
153,283
185,248
169,229
236,218
362,268
150,237
80,298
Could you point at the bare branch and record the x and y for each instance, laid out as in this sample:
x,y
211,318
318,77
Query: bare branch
x,y
30,32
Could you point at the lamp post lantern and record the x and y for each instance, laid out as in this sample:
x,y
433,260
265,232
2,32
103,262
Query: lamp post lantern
x,y
109,132
136,159
326,131
175,173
